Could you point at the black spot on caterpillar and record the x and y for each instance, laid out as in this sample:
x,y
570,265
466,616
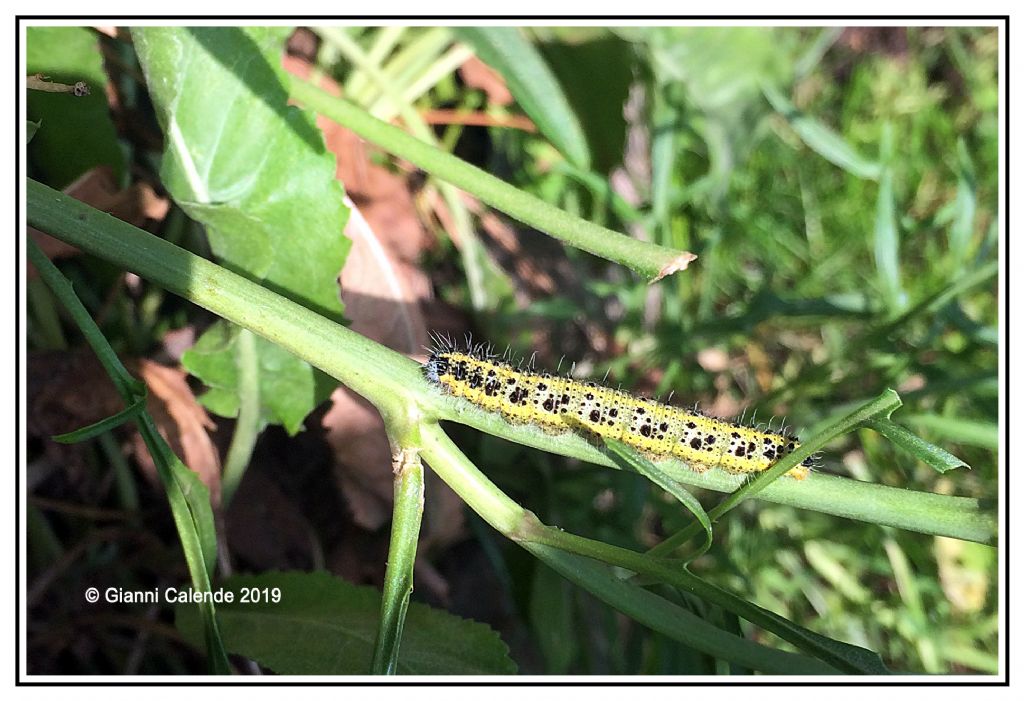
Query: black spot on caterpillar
x,y
652,428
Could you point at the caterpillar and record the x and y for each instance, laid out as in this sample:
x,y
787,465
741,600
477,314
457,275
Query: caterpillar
x,y
557,404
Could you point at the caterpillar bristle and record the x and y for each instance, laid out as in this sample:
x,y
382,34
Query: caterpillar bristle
x,y
557,402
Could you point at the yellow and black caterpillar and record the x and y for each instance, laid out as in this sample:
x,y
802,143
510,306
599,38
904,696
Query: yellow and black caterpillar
x,y
557,404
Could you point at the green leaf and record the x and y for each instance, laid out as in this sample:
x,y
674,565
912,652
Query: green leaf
x,y
324,625
962,228
887,235
188,497
533,85
822,140
672,620
30,129
843,656
629,458
289,388
255,171
930,454
103,425
243,162
197,497
79,133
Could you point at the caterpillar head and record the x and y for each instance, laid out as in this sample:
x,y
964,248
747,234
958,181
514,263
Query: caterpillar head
x,y
436,367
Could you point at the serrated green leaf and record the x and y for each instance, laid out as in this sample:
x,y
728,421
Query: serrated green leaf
x,y
255,171
289,388
325,625
534,86
79,133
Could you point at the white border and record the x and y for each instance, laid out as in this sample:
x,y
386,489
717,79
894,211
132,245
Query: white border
x,y
524,7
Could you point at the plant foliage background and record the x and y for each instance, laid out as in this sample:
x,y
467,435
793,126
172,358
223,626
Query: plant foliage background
x,y
839,187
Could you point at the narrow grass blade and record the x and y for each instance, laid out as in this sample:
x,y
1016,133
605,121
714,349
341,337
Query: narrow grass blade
x,y
103,425
629,458
966,203
822,140
533,85
930,454
188,497
887,246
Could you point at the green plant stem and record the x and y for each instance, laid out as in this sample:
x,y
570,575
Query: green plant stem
x,y
526,529
398,580
649,260
395,385
131,390
367,368
881,407
248,423
966,518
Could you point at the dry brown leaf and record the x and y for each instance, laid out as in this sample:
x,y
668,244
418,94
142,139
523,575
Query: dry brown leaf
x,y
183,423
362,457
381,291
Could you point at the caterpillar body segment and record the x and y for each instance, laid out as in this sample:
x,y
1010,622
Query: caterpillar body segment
x,y
558,404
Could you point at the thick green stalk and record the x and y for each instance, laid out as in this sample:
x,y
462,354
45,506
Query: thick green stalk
x,y
649,260
369,369
396,386
398,580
